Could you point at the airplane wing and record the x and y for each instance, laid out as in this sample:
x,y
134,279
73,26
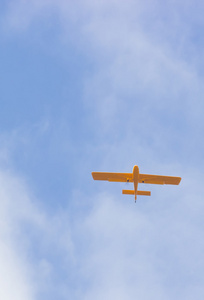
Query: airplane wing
x,y
117,177
158,179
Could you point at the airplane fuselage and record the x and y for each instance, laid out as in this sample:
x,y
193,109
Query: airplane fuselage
x,y
135,179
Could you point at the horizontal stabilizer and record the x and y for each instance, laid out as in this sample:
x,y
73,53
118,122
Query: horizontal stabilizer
x,y
131,192
128,192
144,193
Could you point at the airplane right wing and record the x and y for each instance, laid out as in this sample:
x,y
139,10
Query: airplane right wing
x,y
117,177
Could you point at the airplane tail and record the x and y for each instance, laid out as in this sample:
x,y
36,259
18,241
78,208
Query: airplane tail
x,y
144,193
132,192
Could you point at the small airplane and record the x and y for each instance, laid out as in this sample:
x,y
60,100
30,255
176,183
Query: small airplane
x,y
136,178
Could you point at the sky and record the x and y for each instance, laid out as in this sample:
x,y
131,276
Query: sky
x,y
100,86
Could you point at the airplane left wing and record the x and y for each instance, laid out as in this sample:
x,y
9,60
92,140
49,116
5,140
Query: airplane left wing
x,y
158,179
117,177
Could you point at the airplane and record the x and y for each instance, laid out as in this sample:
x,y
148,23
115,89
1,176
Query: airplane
x,y
136,178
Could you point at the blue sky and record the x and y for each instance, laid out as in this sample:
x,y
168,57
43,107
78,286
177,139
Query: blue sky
x,y
100,86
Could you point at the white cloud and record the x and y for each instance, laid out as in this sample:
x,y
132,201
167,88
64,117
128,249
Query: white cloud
x,y
114,249
119,250
143,250
15,272
26,236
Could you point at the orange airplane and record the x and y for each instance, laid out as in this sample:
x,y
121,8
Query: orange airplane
x,y
136,178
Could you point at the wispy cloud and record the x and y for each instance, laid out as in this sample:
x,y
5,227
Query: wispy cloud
x,y
116,249
15,270
27,236
141,103
134,251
